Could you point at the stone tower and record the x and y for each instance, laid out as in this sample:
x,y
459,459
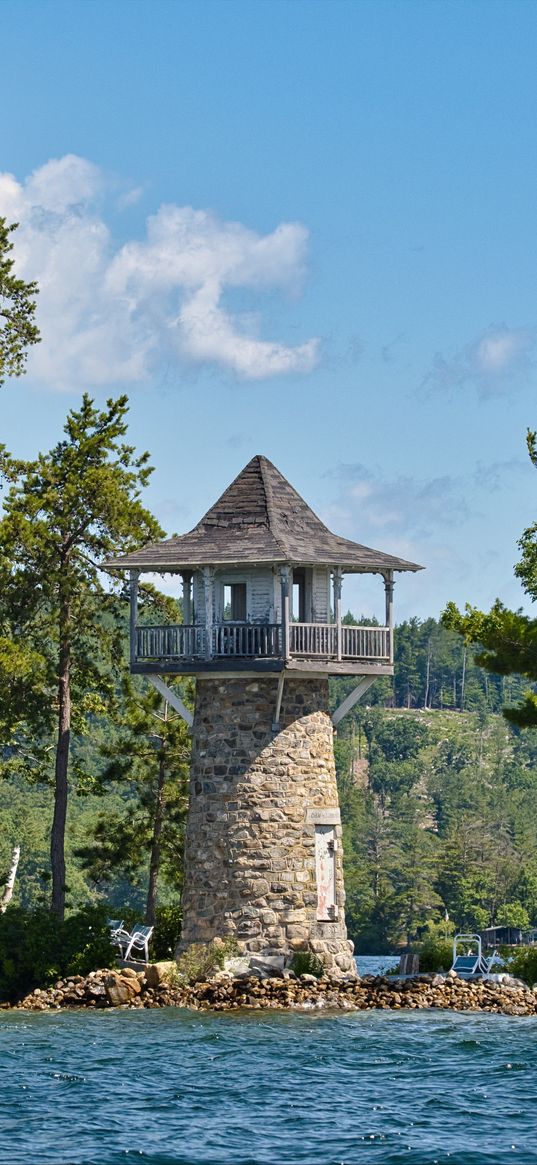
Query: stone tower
x,y
262,632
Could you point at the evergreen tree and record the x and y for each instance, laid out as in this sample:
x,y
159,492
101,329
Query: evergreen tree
x,y
64,513
17,310
148,761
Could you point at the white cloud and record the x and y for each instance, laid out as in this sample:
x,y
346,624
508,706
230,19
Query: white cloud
x,y
375,508
442,522
495,362
111,314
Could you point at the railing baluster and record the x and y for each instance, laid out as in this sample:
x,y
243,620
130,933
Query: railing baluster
x,y
262,640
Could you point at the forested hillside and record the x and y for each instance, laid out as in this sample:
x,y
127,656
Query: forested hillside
x,y
434,668
439,805
440,816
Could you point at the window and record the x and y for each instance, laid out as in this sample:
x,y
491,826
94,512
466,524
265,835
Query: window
x,y
235,602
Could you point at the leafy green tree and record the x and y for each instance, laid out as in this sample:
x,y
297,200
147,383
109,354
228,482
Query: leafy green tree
x,y
507,645
64,513
507,640
17,310
148,759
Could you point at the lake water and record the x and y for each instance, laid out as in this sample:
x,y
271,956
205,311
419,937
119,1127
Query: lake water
x,y
172,1087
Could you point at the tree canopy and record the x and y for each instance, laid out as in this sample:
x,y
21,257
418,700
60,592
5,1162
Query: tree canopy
x,y
64,513
507,640
18,330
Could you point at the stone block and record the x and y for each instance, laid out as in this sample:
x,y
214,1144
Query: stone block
x,y
295,931
162,972
269,966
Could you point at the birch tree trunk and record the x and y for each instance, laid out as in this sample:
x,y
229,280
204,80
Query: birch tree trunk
x,y
57,838
8,889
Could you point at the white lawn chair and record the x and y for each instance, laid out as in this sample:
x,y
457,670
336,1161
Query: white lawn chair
x,y
114,925
137,940
118,935
471,961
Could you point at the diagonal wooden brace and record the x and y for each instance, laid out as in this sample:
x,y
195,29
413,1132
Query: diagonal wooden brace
x,y
276,721
172,699
352,699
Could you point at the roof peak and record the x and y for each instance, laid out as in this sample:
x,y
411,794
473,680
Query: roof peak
x,y
261,517
260,495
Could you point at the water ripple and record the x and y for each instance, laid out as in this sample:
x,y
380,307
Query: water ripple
x,y
171,1087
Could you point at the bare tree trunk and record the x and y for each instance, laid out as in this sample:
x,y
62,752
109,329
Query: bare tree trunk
x,y
428,676
8,889
57,837
154,863
463,678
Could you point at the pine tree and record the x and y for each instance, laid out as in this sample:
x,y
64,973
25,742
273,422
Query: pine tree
x,y
148,760
64,513
17,310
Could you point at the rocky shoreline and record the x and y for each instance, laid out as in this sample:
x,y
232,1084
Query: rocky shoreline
x,y
153,987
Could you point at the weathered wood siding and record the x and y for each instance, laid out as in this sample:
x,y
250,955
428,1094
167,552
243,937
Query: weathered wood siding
x,y
277,595
259,593
263,594
261,601
320,595
198,598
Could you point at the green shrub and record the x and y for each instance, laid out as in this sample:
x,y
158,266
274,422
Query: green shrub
x,y
201,960
306,963
435,955
523,965
167,931
36,949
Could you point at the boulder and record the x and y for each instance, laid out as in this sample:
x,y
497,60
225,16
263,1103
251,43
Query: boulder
x,y
238,967
164,972
121,988
268,966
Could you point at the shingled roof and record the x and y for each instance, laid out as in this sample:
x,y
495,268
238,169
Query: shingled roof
x,y
259,519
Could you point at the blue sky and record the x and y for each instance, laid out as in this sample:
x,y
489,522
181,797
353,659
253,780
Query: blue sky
x,y
300,229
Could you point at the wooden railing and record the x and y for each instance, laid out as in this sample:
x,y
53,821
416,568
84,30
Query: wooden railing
x,y
263,641
259,640
312,639
365,642
188,642
178,642
321,639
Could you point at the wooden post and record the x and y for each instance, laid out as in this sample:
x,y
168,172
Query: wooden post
x,y
208,587
134,575
284,580
337,608
186,576
388,590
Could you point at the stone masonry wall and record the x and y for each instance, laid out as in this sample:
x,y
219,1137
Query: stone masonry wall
x,y
250,866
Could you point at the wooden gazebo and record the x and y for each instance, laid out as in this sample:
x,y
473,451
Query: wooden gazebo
x,y
261,590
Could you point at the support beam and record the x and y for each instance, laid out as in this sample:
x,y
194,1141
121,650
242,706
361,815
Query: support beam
x,y
352,699
208,587
337,609
276,721
172,699
284,580
388,590
186,576
134,576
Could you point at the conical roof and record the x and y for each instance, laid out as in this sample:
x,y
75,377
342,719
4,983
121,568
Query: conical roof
x,y
260,519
